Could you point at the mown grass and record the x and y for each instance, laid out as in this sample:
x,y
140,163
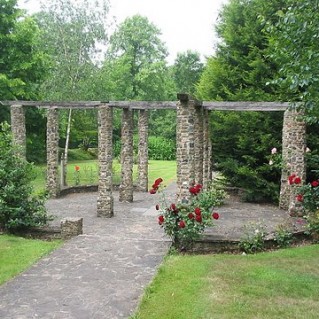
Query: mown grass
x,y
280,284
18,254
88,173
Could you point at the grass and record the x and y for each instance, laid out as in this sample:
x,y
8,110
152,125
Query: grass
x,y
280,284
89,173
18,254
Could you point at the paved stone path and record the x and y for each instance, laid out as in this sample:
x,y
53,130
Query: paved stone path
x,y
102,273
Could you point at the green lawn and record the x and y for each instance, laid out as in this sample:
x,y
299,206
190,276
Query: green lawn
x,y
280,284
88,173
18,254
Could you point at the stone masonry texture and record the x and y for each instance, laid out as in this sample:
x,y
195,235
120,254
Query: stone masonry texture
x,y
105,200
18,128
142,181
53,186
126,187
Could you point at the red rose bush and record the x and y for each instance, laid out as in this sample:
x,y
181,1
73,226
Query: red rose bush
x,y
184,222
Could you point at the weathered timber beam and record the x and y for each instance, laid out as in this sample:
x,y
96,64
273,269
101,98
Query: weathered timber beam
x,y
143,105
55,104
246,106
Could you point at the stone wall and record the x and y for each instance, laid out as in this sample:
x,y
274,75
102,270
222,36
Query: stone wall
x,y
199,144
142,179
207,150
126,187
18,128
105,197
293,160
53,185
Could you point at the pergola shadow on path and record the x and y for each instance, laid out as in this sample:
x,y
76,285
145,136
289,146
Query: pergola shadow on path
x,y
194,147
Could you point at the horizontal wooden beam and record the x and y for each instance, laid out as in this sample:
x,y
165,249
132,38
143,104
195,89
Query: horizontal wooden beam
x,y
56,104
246,106
143,105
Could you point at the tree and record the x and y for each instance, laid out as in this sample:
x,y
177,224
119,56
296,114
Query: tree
x,y
135,66
242,70
295,48
187,70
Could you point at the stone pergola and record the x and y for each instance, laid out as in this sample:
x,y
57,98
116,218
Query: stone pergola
x,y
194,149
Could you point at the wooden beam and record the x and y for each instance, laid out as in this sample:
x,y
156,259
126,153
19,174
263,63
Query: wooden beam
x,y
246,106
143,105
55,104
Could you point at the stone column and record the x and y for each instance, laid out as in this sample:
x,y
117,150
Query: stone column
x,y
142,180
126,187
207,150
105,201
185,150
293,160
199,144
18,128
53,152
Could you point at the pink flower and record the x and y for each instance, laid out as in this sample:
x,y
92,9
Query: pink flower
x,y
181,224
274,151
215,215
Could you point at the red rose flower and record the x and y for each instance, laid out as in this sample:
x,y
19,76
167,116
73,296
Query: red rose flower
x,y
291,179
161,219
191,216
297,180
314,183
197,211
181,224
199,187
198,218
299,198
153,191
158,181
215,215
157,207
77,168
173,206
155,186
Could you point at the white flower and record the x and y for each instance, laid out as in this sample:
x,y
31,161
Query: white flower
x,y
308,150
274,151
271,162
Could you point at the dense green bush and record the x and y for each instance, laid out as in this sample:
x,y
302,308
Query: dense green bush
x,y
18,208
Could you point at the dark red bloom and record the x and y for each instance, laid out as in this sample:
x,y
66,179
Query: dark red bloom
x,y
299,198
191,216
157,207
155,186
297,180
215,215
181,224
199,186
153,191
194,190
291,179
161,219
158,181
173,206
77,168
314,183
197,211
198,218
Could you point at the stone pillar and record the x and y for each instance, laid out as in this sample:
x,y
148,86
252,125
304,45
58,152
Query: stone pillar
x,y
52,186
207,150
18,128
126,187
142,181
293,160
199,144
105,201
185,150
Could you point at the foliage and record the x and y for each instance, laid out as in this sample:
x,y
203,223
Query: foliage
x,y
187,69
295,49
283,236
18,209
185,221
253,239
17,254
281,284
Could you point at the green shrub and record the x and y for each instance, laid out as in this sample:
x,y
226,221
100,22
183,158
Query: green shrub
x,y
18,209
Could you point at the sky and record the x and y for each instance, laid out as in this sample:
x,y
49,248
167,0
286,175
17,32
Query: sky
x,y
185,24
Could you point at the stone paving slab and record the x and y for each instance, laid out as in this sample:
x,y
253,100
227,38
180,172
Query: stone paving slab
x,y
102,273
